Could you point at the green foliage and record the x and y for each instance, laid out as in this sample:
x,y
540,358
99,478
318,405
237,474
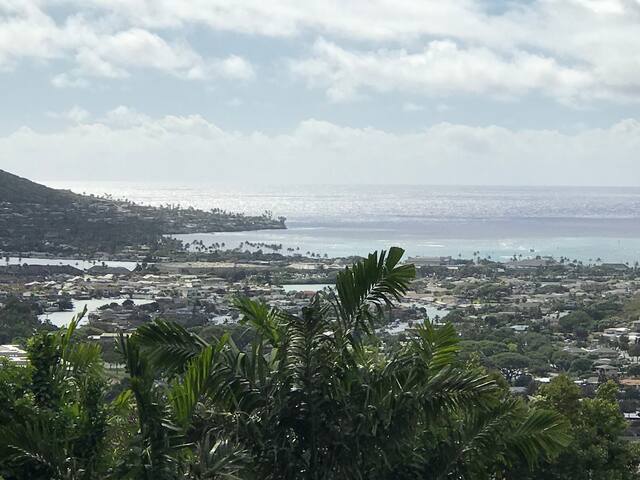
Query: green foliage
x,y
170,346
596,449
552,288
487,348
510,364
311,395
374,282
18,321
562,360
574,321
604,309
14,389
44,356
632,308
492,292
634,350
562,395
581,366
150,452
60,424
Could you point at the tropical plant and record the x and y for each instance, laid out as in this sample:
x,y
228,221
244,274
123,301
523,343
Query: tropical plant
x,y
60,431
597,448
316,395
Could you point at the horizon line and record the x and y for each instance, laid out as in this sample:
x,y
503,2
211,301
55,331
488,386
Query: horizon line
x,y
186,183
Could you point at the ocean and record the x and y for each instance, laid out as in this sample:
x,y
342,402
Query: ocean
x,y
583,223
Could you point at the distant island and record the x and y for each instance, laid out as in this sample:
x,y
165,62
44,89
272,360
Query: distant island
x,y
34,217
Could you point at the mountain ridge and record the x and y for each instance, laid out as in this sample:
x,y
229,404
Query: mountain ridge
x,y
16,189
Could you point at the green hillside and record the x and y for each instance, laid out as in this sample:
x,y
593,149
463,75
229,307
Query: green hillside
x,y
36,218
14,189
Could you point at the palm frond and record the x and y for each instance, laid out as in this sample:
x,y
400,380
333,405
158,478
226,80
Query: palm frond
x,y
542,431
156,429
85,358
375,282
435,347
168,345
218,458
266,321
487,440
186,392
33,443
65,340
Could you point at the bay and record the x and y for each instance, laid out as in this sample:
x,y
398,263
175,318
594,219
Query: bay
x,y
62,319
585,223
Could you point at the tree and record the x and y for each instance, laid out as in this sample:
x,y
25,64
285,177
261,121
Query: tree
x,y
562,360
62,420
581,366
576,320
562,395
314,396
510,364
18,321
634,350
623,342
14,388
596,449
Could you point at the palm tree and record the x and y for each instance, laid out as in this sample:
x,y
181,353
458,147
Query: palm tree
x,y
316,396
150,454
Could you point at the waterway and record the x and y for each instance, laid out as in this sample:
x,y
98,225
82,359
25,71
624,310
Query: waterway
x,y
73,262
62,319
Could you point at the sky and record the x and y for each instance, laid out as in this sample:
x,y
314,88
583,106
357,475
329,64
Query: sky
x,y
473,92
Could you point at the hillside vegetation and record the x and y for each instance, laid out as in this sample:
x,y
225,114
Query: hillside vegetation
x,y
14,189
34,217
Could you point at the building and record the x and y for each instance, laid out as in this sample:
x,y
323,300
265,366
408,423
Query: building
x,y
429,261
14,354
618,267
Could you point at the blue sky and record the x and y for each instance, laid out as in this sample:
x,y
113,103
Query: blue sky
x,y
382,91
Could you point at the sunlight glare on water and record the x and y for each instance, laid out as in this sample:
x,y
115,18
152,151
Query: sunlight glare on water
x,y
577,222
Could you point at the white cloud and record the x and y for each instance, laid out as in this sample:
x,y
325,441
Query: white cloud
x,y
412,107
189,148
233,67
64,80
99,48
25,31
75,114
237,67
441,68
124,117
377,20
555,40
572,50
137,46
91,63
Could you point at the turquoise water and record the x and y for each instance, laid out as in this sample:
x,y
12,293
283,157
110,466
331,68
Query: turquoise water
x,y
333,242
